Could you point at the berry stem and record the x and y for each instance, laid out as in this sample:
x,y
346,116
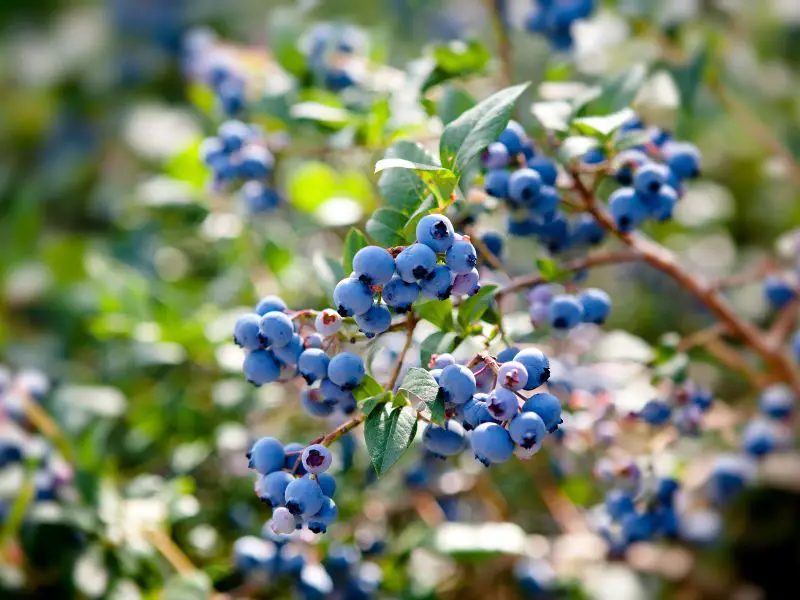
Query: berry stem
x,y
327,440
411,325
495,9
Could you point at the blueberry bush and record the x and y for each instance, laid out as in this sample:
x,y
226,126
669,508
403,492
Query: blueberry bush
x,y
409,300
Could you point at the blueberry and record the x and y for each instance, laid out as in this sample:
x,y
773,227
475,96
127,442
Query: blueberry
x,y
461,257
513,137
276,329
327,484
440,361
270,304
259,198
700,397
565,312
282,522
324,517
778,291
527,429
246,330
495,156
315,340
315,403
415,262
289,354
212,152
619,503
266,456
261,367
594,156
648,179
316,458
494,243
626,163
467,283
666,488
513,375
688,420
491,444
507,354
663,204
536,20
233,135
328,322
596,305
682,158
444,441
777,401
656,412
536,364
373,265
503,404
313,365
546,168
304,496
761,437
293,452
376,320
352,297
627,209
523,186
339,79
347,403
546,204
272,487
230,95
400,294
457,384
555,234
10,453
547,407
438,284
637,527
658,136
346,370
730,474
332,393
496,183
476,411
250,553
256,162
541,294
436,232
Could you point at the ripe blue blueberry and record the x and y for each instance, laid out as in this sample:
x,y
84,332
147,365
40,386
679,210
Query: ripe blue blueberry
x,y
513,137
266,456
467,283
596,305
439,283
444,441
761,437
315,403
328,322
256,162
503,404
507,354
347,403
648,179
536,364
327,484
289,354
618,503
594,156
436,232
626,163
565,312
523,186
682,158
246,330
304,496
317,458
495,156
270,304
656,412
513,375
261,367
346,370
313,365
373,265
212,152
259,198
376,320
546,205
331,392
249,553
352,297
777,401
234,134
230,96
271,488
475,411
293,451
637,527
324,517
415,262
276,329
461,257
496,183
627,209
555,234
440,361
491,444
400,294
545,167
315,340
663,204
547,407
730,474
494,243
527,430
666,488
778,291
457,384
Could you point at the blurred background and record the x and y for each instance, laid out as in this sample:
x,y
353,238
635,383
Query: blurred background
x,y
121,275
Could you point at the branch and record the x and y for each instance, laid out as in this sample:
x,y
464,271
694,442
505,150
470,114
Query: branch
x,y
411,325
495,8
783,325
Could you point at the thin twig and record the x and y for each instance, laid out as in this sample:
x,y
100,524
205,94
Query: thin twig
x,y
411,325
783,325
495,8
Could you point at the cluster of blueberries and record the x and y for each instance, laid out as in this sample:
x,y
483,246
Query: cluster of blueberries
x,y
293,480
342,573
684,410
439,264
554,19
526,181
329,50
566,311
499,422
238,154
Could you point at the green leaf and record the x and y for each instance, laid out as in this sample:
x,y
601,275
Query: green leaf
x,y
603,127
311,184
617,93
277,257
410,228
368,388
354,242
388,433
421,385
404,189
472,309
465,138
455,101
456,59
284,30
547,268
437,343
553,116
401,163
631,139
385,226
186,166
370,404
437,312
330,116
576,146
689,76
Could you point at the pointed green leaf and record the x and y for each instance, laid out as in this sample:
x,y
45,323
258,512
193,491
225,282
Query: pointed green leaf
x,y
472,309
388,433
617,93
410,228
454,102
370,404
547,268
404,189
354,242
385,226
420,385
369,387
402,163
604,126
437,312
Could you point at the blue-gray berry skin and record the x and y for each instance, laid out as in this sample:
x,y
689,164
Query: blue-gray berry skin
x,y
457,384
261,367
332,393
246,330
376,320
461,257
400,294
777,401
276,329
272,487
523,186
491,444
596,305
346,370
293,463
444,441
536,364
565,312
327,483
475,411
439,283
266,456
496,156
513,375
778,291
315,404
503,404
324,517
627,209
683,158
373,265
545,167
415,263
289,354
270,304
649,178
352,297
467,284
313,365
547,407
496,183
304,497
507,354
527,429
436,232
